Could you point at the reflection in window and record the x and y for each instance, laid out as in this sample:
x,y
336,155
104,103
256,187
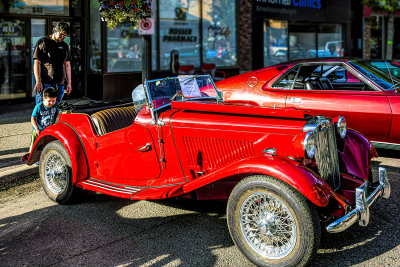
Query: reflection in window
x,y
179,30
124,49
41,7
12,59
219,35
275,42
287,81
330,42
302,39
94,37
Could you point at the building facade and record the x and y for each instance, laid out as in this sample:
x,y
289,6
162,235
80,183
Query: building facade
x,y
236,36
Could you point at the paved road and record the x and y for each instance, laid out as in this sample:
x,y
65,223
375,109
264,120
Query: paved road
x,y
107,231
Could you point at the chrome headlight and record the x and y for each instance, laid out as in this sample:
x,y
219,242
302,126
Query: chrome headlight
x,y
309,145
342,127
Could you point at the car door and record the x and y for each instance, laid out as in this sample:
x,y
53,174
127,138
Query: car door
x,y
127,156
394,100
366,110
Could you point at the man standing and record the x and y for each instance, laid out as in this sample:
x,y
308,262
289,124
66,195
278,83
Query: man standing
x,y
52,67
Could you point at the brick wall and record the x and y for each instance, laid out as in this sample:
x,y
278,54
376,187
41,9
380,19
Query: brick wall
x,y
244,34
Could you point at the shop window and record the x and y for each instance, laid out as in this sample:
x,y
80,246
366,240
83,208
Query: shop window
x,y
179,30
13,53
330,43
219,35
302,41
376,40
275,42
38,30
94,48
124,49
41,7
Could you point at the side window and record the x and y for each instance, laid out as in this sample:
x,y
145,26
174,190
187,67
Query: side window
x,y
317,72
286,82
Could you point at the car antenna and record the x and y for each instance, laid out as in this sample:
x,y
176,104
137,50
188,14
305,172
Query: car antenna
x,y
387,66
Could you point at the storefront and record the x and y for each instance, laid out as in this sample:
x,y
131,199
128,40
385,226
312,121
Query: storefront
x,y
107,63
22,23
201,31
375,29
296,29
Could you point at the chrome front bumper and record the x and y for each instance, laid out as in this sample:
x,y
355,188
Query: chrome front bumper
x,y
361,212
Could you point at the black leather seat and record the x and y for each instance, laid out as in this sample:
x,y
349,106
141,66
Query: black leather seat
x,y
112,119
325,83
312,85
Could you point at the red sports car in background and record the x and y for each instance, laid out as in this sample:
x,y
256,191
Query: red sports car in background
x,y
367,97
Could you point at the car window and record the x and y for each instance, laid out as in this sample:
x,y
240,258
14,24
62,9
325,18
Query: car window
x,y
377,76
286,82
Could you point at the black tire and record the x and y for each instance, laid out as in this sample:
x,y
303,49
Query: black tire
x,y
291,223
56,173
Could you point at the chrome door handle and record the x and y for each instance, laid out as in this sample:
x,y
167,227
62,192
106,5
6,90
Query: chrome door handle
x,y
147,147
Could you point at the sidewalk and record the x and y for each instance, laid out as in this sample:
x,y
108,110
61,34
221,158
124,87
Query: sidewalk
x,y
15,137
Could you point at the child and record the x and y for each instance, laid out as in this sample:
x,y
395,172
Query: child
x,y
44,114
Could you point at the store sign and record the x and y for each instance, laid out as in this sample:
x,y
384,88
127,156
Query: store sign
x,y
313,10
10,29
316,4
179,35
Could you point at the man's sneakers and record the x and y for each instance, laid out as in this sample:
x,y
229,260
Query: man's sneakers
x,y
25,157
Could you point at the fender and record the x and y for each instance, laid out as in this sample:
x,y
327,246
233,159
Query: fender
x,y
67,136
355,158
290,172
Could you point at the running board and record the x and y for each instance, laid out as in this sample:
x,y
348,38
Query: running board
x,y
110,188
386,145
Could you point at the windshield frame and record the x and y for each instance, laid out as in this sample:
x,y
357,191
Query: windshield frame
x,y
218,96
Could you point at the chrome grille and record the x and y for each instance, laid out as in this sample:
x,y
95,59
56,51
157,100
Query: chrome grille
x,y
326,155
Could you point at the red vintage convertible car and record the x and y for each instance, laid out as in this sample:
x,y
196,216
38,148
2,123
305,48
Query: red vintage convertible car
x,y
367,97
281,170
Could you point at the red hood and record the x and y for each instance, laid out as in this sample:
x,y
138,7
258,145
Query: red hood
x,y
227,108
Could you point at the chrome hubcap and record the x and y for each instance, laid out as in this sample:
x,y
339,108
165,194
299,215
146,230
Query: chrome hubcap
x,y
55,173
267,225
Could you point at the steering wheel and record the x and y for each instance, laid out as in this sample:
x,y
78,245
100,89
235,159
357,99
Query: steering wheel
x,y
177,94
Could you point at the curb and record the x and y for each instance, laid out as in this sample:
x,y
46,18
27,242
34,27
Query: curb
x,y
10,176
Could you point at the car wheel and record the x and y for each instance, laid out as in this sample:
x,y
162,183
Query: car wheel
x,y
56,173
272,223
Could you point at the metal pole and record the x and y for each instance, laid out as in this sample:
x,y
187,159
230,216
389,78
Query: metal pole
x,y
146,58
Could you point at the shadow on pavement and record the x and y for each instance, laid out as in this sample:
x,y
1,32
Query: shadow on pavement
x,y
105,231
98,232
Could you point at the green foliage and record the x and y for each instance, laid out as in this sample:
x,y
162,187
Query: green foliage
x,y
119,13
390,6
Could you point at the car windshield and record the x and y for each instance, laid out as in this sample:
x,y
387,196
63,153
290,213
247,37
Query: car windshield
x,y
376,75
181,88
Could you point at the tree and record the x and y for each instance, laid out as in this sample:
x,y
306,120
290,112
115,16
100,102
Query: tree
x,y
389,6
117,13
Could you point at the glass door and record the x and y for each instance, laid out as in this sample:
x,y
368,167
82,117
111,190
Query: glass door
x,y
13,62
275,42
74,42
38,30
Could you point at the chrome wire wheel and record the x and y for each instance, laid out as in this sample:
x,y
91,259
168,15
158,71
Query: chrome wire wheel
x,y
268,226
55,173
